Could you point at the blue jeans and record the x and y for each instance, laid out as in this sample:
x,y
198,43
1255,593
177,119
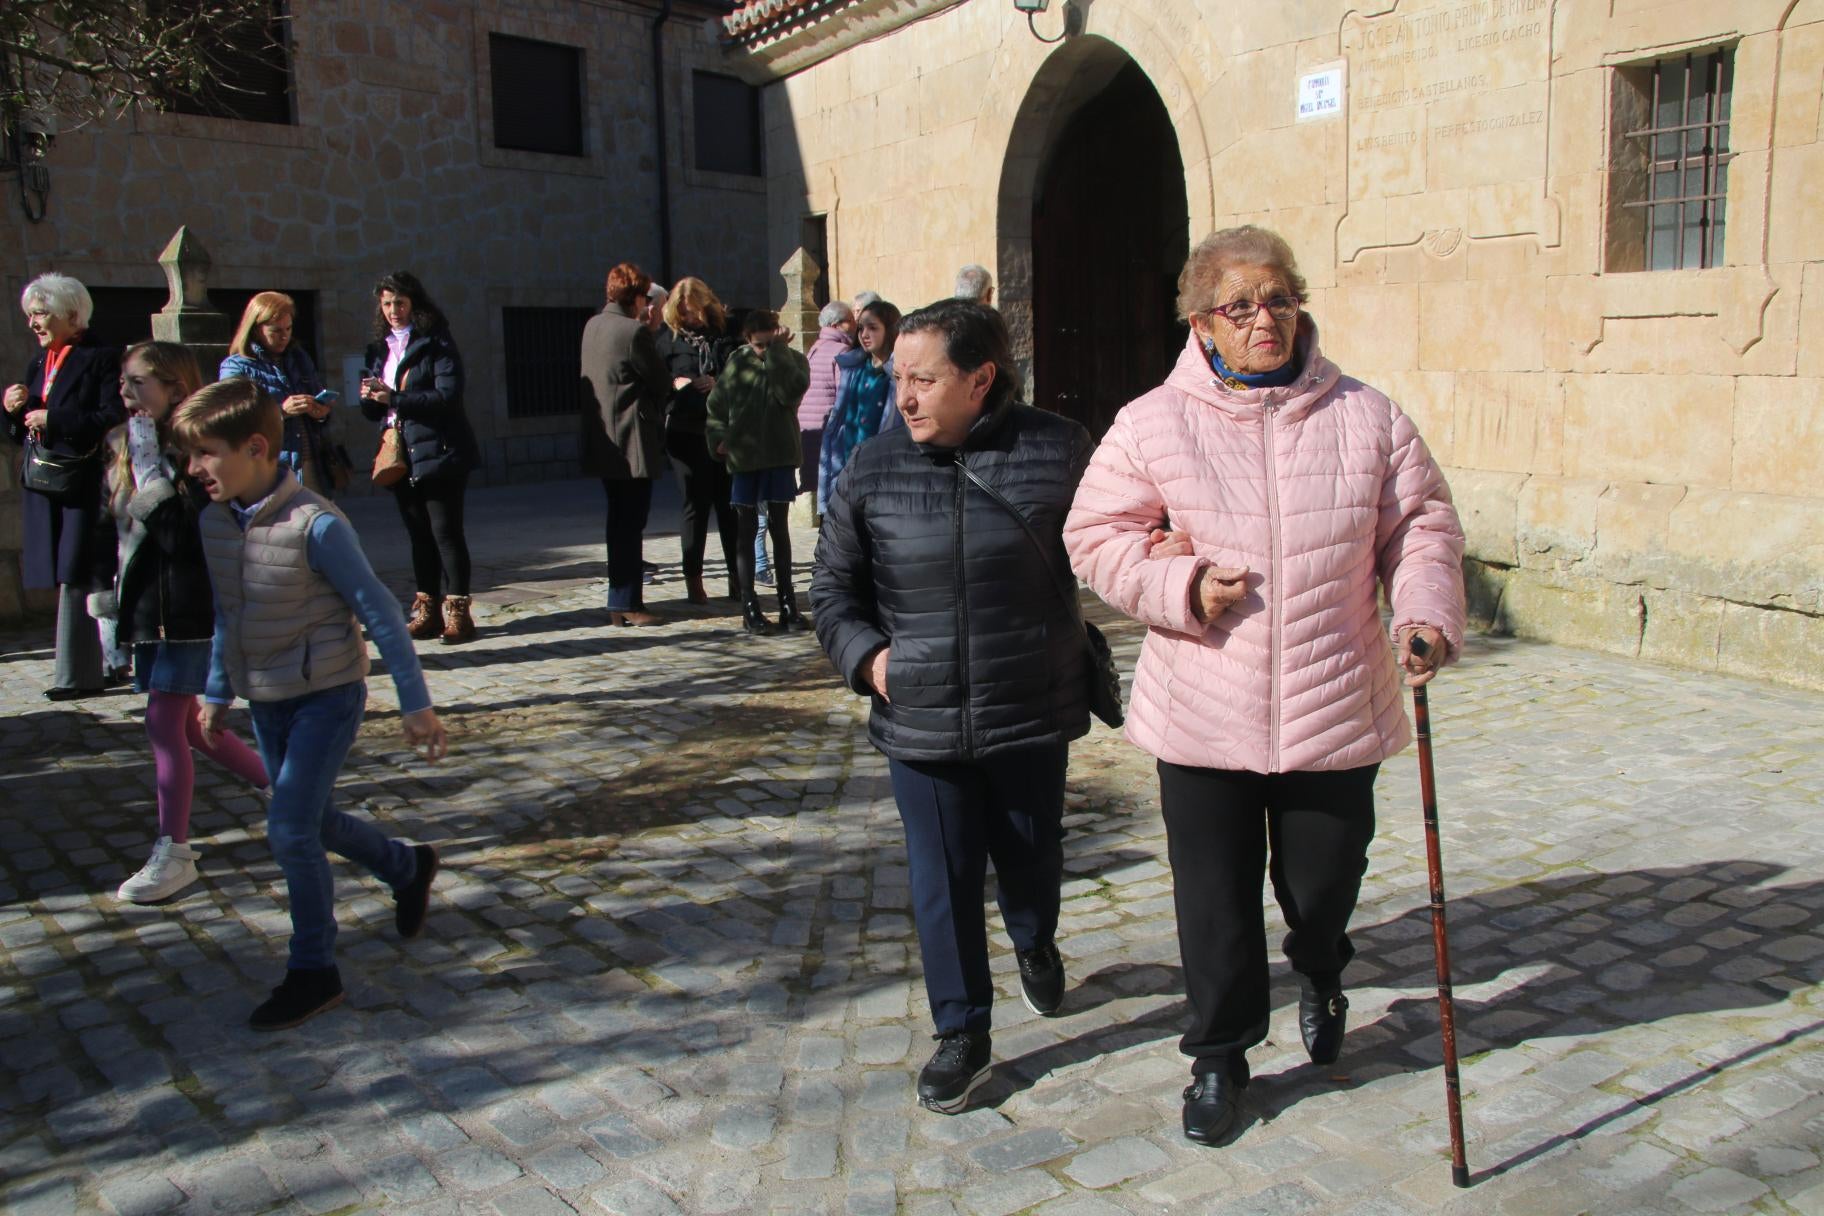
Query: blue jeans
x,y
304,741
958,816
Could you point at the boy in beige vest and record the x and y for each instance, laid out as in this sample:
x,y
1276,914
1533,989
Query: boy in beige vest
x,y
292,590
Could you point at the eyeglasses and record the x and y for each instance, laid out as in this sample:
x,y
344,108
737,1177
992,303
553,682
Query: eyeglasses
x,y
1241,313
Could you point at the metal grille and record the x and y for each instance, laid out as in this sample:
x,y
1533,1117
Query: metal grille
x,y
1687,154
543,355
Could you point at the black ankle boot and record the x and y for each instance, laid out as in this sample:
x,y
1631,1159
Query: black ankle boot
x,y
306,992
1322,1017
790,619
752,619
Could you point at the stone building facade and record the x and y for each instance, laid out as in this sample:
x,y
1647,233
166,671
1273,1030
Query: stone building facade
x,y
393,160
1629,398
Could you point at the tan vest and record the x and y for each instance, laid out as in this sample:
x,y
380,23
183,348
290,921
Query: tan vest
x,y
288,630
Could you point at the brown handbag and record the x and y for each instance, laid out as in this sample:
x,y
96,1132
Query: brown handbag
x,y
390,464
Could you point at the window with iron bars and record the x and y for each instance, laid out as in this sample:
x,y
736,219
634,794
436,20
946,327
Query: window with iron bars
x,y
543,356
1669,162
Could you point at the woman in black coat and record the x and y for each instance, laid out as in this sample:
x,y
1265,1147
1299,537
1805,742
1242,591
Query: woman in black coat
x,y
695,344
414,383
70,399
961,622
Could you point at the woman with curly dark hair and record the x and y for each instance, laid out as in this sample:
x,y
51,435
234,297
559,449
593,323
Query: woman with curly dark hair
x,y
413,383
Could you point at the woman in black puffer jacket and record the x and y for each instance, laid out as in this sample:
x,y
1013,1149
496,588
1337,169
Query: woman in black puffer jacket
x,y
414,383
930,597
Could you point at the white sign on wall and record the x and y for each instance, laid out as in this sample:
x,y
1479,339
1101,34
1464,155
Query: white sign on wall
x,y
1320,94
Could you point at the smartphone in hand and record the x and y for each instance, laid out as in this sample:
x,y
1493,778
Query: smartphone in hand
x,y
328,396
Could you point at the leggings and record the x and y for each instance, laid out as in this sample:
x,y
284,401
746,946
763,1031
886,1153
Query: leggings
x,y
432,513
778,525
172,727
704,482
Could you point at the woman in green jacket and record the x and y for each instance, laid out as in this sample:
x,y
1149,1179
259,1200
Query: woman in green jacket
x,y
753,429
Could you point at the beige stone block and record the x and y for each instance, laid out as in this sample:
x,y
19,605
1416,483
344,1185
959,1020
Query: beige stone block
x,y
1811,323
1428,398
1509,257
1796,227
1500,417
1772,645
1679,628
1480,139
1751,99
1779,435
1386,152
1753,548
953,93
1556,521
1666,429
1556,606
1634,526
1488,505
1371,326
1494,325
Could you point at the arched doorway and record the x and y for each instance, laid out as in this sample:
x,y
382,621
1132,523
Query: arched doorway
x,y
1109,231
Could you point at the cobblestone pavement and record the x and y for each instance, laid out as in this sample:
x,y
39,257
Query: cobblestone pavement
x,y
670,965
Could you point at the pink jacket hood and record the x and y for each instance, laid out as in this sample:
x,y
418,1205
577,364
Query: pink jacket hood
x,y
818,398
1322,489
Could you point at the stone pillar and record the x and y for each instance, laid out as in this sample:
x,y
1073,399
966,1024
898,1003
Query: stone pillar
x,y
187,316
799,312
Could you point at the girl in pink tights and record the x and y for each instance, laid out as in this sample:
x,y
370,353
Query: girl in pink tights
x,y
160,596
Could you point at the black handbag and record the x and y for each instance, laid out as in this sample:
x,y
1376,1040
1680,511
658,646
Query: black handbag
x,y
63,479
1102,680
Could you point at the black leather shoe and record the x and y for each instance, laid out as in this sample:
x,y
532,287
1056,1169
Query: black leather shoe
x,y
1321,1019
411,900
790,619
305,993
1212,1106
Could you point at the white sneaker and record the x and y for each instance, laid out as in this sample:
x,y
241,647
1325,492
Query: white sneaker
x,y
171,868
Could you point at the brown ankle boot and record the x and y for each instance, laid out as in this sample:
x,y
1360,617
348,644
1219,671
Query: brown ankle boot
x,y
458,626
422,620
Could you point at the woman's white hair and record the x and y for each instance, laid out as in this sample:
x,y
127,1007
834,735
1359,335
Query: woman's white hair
x,y
58,294
835,313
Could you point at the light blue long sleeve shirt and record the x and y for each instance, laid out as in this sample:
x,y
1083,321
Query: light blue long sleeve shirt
x,y
334,551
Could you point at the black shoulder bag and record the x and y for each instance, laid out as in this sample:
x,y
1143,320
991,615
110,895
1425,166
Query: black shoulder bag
x,y
1101,679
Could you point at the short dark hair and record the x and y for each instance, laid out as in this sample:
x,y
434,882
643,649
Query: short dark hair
x,y
232,410
427,318
759,321
974,334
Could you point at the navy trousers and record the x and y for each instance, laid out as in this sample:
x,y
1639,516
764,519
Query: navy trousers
x,y
1008,809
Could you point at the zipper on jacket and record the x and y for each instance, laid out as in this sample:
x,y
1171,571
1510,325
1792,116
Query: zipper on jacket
x,y
1276,601
962,614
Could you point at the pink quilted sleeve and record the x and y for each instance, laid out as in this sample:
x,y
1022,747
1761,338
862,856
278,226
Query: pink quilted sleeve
x,y
1419,540
1117,506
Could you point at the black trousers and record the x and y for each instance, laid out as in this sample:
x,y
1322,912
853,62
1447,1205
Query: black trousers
x,y
958,817
704,482
432,513
1220,827
779,528
629,503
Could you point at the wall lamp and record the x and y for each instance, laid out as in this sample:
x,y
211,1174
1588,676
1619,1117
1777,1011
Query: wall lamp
x,y
1032,8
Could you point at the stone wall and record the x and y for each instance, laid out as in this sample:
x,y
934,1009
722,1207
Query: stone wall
x,y
1639,456
391,165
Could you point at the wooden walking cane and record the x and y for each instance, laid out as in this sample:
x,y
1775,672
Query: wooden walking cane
x,y
1440,940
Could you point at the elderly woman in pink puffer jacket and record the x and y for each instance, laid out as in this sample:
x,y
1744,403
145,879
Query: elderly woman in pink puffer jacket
x,y
1245,510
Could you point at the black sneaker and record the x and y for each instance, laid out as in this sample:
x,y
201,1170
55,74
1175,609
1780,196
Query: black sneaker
x,y
1041,978
305,993
960,1063
414,897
